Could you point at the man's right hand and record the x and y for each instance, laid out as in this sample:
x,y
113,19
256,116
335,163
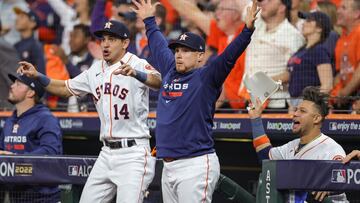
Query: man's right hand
x,y
27,69
144,8
255,111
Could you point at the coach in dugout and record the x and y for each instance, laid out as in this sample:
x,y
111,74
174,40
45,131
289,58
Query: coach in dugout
x,y
312,144
31,129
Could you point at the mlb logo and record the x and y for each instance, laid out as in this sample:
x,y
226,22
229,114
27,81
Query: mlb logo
x,y
333,126
338,176
73,170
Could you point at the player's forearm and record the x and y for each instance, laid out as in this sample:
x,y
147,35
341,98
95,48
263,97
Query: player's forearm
x,y
152,80
58,88
261,142
55,87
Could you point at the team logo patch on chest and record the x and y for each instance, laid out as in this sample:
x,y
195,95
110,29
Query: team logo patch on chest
x,y
174,89
15,128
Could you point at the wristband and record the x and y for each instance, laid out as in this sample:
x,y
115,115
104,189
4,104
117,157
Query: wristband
x,y
141,76
257,127
43,80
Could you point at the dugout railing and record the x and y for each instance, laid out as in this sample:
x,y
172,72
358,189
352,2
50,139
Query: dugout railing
x,y
283,176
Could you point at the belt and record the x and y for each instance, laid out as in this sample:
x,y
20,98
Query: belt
x,y
168,159
120,144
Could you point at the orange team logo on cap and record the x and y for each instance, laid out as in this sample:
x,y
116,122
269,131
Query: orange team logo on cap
x,y
108,25
183,37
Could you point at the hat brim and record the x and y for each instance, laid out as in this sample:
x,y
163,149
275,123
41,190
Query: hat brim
x,y
173,45
13,77
101,33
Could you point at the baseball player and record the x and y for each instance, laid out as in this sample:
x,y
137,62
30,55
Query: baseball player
x,y
186,107
125,166
312,144
31,129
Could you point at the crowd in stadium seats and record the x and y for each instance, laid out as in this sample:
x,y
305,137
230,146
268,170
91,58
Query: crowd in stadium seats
x,y
57,37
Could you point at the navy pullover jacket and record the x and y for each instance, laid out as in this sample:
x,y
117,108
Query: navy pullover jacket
x,y
36,131
186,103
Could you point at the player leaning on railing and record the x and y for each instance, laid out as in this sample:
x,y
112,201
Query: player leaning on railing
x,y
312,144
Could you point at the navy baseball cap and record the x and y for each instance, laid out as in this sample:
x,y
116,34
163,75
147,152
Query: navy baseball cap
x,y
321,19
114,28
190,40
32,15
32,83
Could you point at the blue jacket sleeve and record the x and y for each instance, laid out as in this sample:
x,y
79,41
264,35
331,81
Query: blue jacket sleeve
x,y
50,138
98,17
222,65
158,46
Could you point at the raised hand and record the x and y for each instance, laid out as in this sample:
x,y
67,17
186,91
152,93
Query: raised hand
x,y
251,14
144,8
27,69
126,70
255,111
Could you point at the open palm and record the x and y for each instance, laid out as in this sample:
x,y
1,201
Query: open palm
x,y
144,8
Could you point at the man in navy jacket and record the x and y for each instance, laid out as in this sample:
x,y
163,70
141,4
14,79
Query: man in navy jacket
x,y
186,106
31,129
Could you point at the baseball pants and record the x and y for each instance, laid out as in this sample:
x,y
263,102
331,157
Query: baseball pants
x,y
126,172
190,179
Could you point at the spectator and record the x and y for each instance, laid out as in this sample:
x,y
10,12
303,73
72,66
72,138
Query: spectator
x,y
347,57
312,144
330,43
50,28
8,18
220,31
311,64
8,63
36,130
78,61
29,48
274,41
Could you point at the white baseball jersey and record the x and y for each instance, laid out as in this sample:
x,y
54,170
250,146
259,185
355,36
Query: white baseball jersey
x,y
121,101
322,148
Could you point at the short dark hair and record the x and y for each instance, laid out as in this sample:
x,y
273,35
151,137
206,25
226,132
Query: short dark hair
x,y
320,99
84,29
